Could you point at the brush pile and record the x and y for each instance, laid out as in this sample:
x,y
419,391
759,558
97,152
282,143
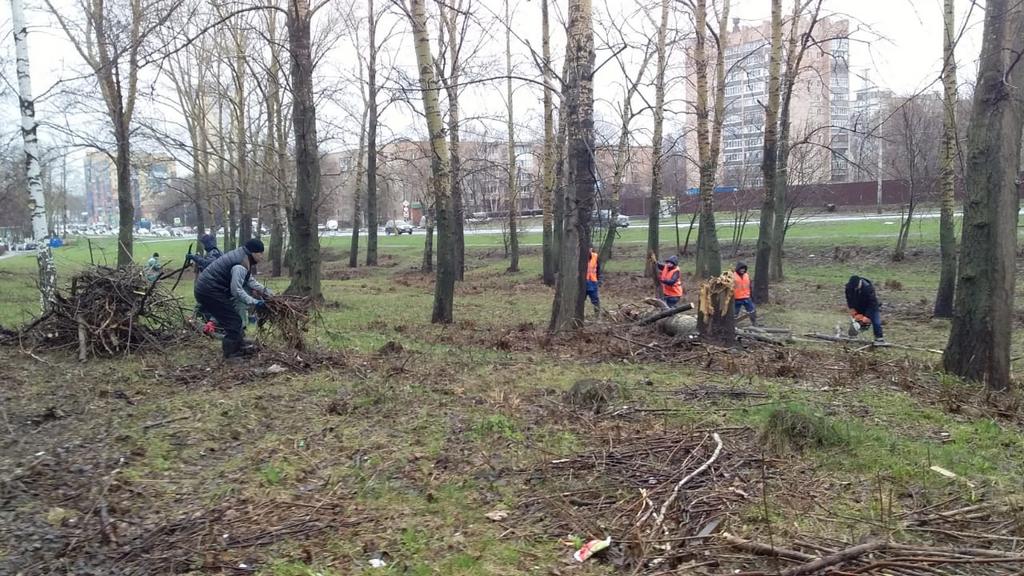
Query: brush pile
x,y
107,312
289,317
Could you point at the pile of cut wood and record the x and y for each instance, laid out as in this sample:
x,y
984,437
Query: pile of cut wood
x,y
106,312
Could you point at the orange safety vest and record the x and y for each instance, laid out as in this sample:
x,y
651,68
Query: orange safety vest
x,y
741,286
674,290
592,268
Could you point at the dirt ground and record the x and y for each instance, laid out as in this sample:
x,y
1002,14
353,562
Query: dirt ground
x,y
490,447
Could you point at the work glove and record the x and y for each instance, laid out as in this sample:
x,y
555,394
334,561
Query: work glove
x,y
260,304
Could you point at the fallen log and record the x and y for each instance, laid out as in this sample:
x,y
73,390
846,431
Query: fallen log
x,y
832,559
664,314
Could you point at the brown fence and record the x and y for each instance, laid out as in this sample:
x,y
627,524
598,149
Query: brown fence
x,y
841,195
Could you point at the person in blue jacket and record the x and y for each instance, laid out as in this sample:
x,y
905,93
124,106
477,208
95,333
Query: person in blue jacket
x,y
210,253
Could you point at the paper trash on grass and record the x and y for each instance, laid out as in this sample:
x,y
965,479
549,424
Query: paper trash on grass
x,y
497,515
377,563
949,474
591,548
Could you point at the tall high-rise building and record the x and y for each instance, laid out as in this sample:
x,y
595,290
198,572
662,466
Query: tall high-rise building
x,y
819,108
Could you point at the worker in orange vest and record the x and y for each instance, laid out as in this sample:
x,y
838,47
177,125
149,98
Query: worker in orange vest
x,y
670,278
741,292
594,281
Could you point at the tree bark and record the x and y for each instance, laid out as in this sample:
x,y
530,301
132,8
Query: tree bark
x,y
277,138
547,195
512,186
715,320
567,309
444,287
560,193
241,153
769,162
353,250
709,135
979,341
30,138
654,206
454,141
372,219
947,231
304,265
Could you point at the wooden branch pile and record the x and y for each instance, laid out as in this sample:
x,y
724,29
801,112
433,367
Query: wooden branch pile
x,y
108,312
976,539
289,317
658,497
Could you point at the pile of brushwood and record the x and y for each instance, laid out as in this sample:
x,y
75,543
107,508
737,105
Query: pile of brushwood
x,y
289,317
106,312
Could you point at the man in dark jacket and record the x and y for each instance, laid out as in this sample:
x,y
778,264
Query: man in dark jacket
x,y
864,307
210,253
216,287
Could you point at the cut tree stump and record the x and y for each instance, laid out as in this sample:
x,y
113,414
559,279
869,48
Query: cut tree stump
x,y
715,320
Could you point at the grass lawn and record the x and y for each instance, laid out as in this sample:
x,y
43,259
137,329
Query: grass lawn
x,y
394,439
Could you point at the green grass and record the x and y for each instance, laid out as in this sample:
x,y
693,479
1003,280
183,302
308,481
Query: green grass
x,y
433,437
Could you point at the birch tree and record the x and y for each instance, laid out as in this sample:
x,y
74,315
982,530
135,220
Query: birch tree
x,y
979,341
372,118
29,135
570,288
709,132
444,286
947,232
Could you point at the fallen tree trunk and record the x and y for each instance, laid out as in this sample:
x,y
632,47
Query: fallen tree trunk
x,y
665,314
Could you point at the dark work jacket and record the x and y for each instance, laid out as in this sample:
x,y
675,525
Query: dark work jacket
x,y
860,295
216,278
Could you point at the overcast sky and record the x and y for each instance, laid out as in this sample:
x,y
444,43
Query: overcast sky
x,y
896,44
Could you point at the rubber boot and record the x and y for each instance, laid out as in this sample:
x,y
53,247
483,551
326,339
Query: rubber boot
x,y
753,318
597,311
231,348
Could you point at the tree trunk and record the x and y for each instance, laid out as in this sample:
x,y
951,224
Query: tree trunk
x,y
567,309
125,196
715,320
654,206
454,141
947,230
277,136
372,220
769,163
30,138
547,194
709,260
304,265
353,251
241,153
979,341
513,185
444,287
427,266
560,194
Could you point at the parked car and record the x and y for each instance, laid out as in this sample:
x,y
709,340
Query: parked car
x,y
601,219
397,227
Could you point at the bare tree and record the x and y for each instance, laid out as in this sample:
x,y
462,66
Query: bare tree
x,y
304,264
769,160
914,130
657,183
36,199
550,252
444,287
512,182
979,341
947,232
709,132
372,222
112,41
567,309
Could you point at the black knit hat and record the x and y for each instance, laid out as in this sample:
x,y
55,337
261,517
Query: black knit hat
x,y
254,245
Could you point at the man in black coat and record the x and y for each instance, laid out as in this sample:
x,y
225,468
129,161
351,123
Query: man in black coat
x,y
216,287
864,307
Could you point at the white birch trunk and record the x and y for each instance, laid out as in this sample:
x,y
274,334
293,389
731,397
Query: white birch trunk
x,y
36,200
